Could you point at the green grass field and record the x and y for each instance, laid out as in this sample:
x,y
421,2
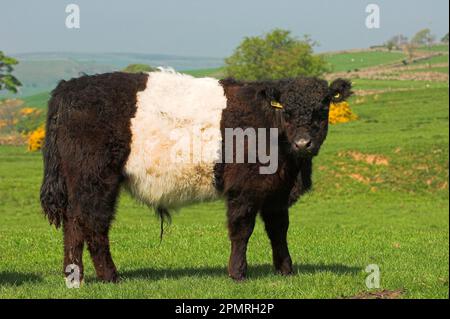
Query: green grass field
x,y
366,84
380,197
357,60
435,48
435,60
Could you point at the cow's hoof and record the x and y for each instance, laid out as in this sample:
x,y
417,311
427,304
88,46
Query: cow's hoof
x,y
238,278
113,277
285,272
284,268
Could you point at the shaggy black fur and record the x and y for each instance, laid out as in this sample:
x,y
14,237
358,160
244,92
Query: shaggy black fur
x,y
304,117
87,143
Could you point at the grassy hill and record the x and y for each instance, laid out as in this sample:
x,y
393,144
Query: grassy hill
x,y
435,48
37,100
357,60
435,60
337,62
42,75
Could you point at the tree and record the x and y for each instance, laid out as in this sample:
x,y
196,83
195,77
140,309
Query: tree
x,y
410,50
445,38
390,45
275,55
423,37
136,68
7,80
397,42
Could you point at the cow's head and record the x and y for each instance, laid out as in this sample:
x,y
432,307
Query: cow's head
x,y
300,110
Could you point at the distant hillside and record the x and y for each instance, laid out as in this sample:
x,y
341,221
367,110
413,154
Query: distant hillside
x,y
40,72
38,100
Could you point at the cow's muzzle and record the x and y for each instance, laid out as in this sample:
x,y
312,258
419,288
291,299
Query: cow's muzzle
x,y
303,146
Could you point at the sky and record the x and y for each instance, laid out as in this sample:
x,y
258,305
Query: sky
x,y
207,28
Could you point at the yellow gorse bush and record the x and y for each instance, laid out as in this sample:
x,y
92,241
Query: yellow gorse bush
x,y
341,113
28,111
36,139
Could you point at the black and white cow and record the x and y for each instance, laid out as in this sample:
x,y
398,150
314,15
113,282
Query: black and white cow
x,y
161,135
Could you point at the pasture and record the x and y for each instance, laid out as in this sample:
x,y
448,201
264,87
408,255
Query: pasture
x,y
380,197
346,61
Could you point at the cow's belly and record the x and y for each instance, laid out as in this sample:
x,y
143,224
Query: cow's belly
x,y
175,141
173,188
155,177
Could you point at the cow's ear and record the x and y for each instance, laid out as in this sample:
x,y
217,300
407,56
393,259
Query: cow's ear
x,y
340,90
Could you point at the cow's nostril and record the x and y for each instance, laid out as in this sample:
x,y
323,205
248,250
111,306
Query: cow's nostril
x,y
303,144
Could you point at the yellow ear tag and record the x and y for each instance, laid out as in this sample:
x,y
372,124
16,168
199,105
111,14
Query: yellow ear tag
x,y
338,95
276,104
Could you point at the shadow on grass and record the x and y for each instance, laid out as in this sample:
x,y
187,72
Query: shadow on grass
x,y
12,278
255,271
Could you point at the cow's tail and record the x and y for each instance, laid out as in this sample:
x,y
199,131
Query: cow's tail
x,y
53,190
164,216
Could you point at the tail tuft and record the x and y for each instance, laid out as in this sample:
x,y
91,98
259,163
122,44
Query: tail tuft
x,y
164,217
53,190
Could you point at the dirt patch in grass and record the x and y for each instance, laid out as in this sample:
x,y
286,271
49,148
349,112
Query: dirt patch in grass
x,y
371,159
360,178
399,170
382,294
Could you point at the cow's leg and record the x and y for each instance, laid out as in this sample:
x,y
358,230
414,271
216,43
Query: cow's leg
x,y
98,212
73,247
98,222
241,221
98,246
276,220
